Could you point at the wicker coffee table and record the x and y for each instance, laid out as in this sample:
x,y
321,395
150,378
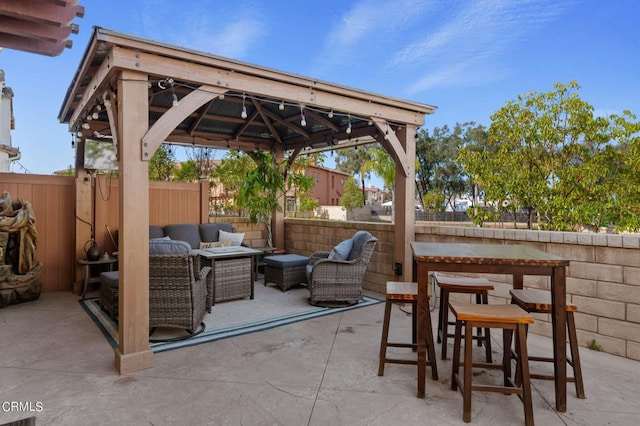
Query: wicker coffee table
x,y
285,270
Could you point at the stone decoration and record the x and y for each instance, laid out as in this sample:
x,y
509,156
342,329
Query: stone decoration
x,y
19,269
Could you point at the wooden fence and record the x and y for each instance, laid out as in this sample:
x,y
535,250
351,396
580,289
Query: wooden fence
x,y
62,230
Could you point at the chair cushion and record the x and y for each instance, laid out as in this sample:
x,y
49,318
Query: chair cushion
x,y
184,232
359,239
342,250
159,246
110,278
283,261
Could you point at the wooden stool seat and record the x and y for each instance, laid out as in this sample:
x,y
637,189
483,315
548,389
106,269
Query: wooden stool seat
x,y
510,318
540,302
405,292
468,285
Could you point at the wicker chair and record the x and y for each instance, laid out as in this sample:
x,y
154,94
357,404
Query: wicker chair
x,y
177,287
336,282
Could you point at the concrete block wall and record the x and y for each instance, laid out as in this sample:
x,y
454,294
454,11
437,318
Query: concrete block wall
x,y
603,279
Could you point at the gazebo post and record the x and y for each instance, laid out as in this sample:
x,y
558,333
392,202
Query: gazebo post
x,y
405,209
133,352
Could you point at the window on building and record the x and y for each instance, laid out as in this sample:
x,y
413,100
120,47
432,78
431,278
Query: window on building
x,y
333,182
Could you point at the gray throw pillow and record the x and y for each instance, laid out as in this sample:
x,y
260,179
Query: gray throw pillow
x,y
342,250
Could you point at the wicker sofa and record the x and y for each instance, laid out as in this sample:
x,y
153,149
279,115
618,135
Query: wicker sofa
x,y
239,269
194,234
335,278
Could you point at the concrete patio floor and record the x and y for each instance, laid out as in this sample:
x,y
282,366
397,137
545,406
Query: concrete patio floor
x,y
316,372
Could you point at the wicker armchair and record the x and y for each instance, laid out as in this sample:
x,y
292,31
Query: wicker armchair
x,y
336,282
177,287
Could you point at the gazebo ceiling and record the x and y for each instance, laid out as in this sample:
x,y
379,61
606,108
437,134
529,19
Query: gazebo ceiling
x,y
38,26
226,103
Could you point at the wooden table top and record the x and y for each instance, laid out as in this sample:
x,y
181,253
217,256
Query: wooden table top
x,y
496,254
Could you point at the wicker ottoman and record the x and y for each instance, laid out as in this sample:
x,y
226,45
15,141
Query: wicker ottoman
x,y
109,293
285,270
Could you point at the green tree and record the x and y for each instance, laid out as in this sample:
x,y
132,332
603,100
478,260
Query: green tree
x,y
352,197
353,161
439,170
549,154
202,158
262,190
162,163
230,175
187,172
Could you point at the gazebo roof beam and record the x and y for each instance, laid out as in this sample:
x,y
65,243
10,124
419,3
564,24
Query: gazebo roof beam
x,y
259,85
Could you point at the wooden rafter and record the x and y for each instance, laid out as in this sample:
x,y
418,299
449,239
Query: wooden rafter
x,y
38,26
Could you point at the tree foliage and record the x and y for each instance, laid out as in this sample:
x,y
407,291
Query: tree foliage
x,y
549,154
262,190
354,161
187,172
439,174
352,197
162,163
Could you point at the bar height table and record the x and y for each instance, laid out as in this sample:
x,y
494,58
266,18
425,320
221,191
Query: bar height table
x,y
516,260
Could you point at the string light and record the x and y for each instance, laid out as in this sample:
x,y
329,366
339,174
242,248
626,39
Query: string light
x,y
281,106
244,108
303,121
349,126
330,115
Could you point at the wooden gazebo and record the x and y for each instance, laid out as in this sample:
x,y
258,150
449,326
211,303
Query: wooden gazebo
x,y
137,94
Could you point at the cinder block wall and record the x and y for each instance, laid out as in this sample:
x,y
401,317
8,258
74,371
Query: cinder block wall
x,y
603,279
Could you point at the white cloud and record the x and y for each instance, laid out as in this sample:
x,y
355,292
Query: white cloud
x,y
478,35
201,27
367,26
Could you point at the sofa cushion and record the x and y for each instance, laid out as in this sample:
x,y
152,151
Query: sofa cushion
x,y
210,231
160,246
184,232
155,231
235,238
214,244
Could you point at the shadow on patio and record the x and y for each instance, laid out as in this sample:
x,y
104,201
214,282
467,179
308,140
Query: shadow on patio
x,y
321,371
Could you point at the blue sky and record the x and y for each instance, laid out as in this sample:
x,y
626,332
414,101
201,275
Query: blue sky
x,y
468,58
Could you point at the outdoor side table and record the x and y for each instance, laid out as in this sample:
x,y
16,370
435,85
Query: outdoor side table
x,y
285,270
86,271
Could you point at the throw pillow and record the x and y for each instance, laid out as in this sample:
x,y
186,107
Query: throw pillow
x,y
235,238
342,250
215,244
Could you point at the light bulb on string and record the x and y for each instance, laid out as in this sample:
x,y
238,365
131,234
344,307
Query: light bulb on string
x,y
244,108
281,106
95,115
303,121
330,115
349,126
174,98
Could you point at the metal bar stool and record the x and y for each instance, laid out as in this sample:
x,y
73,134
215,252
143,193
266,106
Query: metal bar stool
x,y
478,286
509,318
398,293
540,302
